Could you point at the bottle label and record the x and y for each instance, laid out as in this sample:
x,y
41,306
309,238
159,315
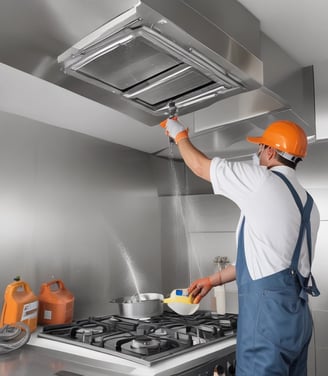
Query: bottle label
x,y
30,311
47,315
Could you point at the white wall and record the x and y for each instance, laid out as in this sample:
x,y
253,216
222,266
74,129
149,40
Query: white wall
x,y
316,178
321,99
313,174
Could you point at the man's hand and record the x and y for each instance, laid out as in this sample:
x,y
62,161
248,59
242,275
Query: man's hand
x,y
174,129
199,288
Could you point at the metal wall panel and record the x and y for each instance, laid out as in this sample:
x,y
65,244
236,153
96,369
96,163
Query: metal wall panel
x,y
76,208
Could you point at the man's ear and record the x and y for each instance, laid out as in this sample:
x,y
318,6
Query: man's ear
x,y
271,152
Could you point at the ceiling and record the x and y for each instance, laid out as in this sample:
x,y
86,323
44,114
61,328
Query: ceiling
x,y
299,26
34,33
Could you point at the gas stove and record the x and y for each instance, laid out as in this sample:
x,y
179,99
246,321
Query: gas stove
x,y
147,341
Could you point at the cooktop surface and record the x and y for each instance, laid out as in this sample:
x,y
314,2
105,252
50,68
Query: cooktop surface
x,y
149,340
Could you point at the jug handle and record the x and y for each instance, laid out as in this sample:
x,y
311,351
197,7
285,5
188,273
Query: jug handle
x,y
58,282
23,284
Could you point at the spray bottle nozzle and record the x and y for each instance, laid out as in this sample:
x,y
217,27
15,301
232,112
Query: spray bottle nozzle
x,y
172,115
172,109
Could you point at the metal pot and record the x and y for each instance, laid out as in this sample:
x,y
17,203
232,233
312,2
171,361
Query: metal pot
x,y
139,305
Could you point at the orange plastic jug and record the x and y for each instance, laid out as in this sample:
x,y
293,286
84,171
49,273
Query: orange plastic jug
x,y
20,304
56,303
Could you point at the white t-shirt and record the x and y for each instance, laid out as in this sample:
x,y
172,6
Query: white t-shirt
x,y
272,216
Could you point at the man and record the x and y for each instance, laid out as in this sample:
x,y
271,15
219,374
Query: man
x,y
276,234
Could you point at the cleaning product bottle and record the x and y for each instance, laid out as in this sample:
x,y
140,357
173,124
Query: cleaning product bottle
x,y
20,305
56,303
219,291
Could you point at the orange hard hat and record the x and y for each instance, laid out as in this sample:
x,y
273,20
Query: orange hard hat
x,y
285,136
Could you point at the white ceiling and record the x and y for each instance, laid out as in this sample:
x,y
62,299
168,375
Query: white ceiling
x,y
300,27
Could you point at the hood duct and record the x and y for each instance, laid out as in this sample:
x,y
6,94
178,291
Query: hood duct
x,y
158,51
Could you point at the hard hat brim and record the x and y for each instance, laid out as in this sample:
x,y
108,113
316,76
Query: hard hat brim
x,y
255,140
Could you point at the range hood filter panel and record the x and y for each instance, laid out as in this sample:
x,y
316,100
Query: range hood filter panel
x,y
189,81
129,64
148,69
149,59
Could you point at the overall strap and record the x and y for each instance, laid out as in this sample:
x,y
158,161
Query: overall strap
x,y
305,227
242,273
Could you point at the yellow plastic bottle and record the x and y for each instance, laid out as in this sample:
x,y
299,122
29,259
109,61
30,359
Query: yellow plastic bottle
x,y
20,305
56,303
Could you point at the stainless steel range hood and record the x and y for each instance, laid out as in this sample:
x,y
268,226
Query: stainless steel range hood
x,y
159,51
228,78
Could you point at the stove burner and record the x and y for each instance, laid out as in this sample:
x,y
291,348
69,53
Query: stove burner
x,y
146,341
161,332
143,341
85,335
144,346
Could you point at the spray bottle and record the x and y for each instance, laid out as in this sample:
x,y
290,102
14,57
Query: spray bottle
x,y
219,291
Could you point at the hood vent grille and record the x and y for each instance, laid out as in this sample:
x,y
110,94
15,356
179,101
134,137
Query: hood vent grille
x,y
149,66
143,66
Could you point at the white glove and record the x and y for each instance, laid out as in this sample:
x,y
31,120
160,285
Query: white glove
x,y
175,129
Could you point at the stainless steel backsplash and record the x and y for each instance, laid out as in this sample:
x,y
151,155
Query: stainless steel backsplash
x,y
75,208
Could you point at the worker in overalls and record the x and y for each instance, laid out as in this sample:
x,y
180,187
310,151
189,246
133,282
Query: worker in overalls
x,y
276,236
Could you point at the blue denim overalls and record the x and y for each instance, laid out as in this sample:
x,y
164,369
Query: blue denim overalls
x,y
275,323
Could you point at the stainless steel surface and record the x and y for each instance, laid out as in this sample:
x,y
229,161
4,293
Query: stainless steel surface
x,y
149,342
79,209
149,55
138,306
36,361
223,365
203,358
287,90
288,93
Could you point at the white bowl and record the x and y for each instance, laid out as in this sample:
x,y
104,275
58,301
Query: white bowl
x,y
183,308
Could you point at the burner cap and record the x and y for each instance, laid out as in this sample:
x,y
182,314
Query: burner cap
x,y
160,332
144,342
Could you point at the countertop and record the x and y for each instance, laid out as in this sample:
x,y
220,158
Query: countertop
x,y
35,361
